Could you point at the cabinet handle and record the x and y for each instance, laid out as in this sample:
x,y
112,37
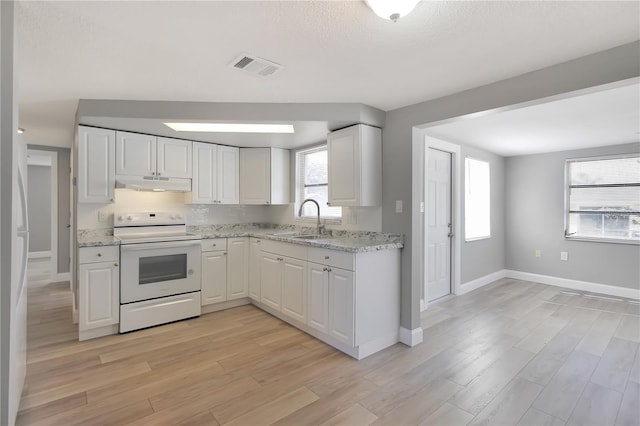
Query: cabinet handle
x,y
326,257
257,241
213,245
280,259
329,269
158,173
99,254
225,253
153,173
324,269
115,264
328,203
268,202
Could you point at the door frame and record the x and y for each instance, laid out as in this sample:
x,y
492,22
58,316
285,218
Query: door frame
x,y
36,157
422,141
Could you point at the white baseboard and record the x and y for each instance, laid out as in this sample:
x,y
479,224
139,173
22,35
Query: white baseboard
x,y
65,276
38,254
481,282
607,289
411,337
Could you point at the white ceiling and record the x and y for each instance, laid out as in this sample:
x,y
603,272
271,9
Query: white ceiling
x,y
332,51
600,118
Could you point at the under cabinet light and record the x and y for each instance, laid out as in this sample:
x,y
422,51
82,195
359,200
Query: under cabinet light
x,y
231,127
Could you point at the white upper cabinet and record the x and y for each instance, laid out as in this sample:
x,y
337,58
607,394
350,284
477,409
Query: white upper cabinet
x,y
136,154
216,177
355,166
96,168
174,158
264,176
145,155
204,187
228,171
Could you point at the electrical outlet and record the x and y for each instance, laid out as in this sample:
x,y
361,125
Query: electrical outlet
x,y
398,206
102,216
538,254
564,255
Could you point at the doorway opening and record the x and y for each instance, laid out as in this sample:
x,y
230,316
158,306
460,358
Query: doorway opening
x,y
42,202
437,190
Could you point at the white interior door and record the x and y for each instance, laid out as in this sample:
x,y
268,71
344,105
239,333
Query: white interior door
x,y
439,222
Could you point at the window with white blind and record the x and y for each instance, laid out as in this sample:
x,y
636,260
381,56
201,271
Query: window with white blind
x,y
603,199
477,200
312,182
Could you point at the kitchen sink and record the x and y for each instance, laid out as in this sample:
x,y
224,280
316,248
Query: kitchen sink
x,y
311,237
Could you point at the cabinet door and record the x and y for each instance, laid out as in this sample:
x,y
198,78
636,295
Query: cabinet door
x,y
96,165
254,269
214,277
344,167
294,288
99,294
255,176
341,305
238,268
135,154
318,297
204,186
174,158
228,167
270,276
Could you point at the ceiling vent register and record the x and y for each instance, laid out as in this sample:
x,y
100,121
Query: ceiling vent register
x,y
255,65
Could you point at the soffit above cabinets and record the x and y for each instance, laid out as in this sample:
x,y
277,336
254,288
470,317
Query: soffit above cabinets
x,y
311,122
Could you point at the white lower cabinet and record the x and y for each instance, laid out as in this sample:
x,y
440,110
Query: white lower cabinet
x,y
99,292
225,269
237,268
214,277
341,305
254,268
318,300
294,288
270,280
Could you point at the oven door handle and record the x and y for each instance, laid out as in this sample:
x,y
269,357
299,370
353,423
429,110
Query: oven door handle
x,y
159,245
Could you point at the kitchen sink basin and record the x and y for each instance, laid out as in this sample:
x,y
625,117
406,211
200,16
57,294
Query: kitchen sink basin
x,y
310,237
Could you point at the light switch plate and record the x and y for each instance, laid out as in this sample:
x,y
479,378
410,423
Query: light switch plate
x,y
398,206
564,255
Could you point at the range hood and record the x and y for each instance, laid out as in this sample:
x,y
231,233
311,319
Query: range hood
x,y
153,183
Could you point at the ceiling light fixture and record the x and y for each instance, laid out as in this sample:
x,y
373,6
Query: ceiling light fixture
x,y
231,127
20,130
392,9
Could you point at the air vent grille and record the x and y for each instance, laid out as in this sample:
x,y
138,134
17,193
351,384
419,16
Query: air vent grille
x,y
255,65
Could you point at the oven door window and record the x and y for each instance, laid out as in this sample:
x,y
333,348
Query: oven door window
x,y
155,269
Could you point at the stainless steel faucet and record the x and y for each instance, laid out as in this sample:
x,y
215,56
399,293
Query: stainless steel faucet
x,y
320,226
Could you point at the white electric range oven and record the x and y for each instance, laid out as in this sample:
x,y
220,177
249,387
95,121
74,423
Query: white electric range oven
x,y
159,269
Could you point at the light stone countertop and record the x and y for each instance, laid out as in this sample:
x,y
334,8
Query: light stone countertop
x,y
349,241
97,238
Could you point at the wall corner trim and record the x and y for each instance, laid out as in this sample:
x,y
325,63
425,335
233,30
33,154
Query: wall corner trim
x,y
607,289
411,337
481,282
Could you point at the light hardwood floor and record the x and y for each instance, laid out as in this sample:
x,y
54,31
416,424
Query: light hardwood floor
x,y
510,353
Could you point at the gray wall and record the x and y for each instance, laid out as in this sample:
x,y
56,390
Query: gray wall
x,y
535,221
64,203
8,124
483,257
39,206
605,67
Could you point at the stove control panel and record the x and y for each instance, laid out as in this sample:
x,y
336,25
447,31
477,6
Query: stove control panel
x,y
148,219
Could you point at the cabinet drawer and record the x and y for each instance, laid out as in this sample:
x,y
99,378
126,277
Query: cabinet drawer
x,y
214,244
98,254
339,259
295,251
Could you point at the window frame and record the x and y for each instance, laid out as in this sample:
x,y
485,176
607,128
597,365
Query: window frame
x,y
466,206
300,186
567,199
